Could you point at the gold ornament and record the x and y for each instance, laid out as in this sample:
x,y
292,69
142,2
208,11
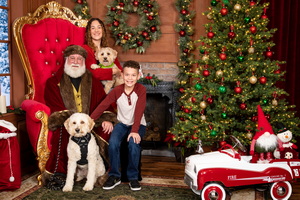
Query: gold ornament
x,y
251,50
219,73
209,16
203,104
205,57
249,135
203,117
252,79
237,7
274,102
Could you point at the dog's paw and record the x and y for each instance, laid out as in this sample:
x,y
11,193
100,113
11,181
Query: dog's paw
x,y
67,188
95,66
88,187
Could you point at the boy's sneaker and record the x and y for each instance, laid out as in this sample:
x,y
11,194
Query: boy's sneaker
x,y
111,182
135,185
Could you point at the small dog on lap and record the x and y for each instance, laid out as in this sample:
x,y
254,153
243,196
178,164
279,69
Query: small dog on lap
x,y
106,57
84,159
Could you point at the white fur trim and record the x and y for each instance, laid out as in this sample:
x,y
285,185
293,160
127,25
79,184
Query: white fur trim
x,y
8,125
7,135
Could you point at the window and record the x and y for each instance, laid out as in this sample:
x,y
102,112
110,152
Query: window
x,y
5,45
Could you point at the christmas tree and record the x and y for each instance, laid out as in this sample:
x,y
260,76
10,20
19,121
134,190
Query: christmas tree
x,y
234,74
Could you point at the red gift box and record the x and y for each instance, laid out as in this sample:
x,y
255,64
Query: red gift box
x,y
10,176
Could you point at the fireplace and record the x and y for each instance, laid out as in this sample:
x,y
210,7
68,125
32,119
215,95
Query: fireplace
x,y
159,113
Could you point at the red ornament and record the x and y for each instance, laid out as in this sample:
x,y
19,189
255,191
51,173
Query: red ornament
x,y
206,73
277,71
125,37
264,16
263,80
139,43
254,118
116,23
231,34
135,3
222,56
184,12
224,11
79,1
121,4
210,34
113,9
193,99
252,3
149,5
150,17
182,33
186,110
222,143
119,35
210,100
269,54
181,90
253,29
243,106
238,90
145,34
186,50
181,119
153,29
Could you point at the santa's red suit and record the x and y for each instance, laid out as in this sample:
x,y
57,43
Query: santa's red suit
x,y
264,141
59,97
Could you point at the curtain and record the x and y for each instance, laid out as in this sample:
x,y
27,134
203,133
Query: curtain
x,y
285,17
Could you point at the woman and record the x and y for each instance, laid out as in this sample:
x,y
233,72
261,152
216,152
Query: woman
x,y
95,38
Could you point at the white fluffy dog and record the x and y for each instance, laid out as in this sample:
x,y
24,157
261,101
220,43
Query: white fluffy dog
x,y
106,57
84,159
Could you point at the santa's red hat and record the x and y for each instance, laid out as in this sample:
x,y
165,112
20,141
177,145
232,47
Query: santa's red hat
x,y
263,124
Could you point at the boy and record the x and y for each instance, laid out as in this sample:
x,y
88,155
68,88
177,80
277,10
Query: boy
x,y
130,98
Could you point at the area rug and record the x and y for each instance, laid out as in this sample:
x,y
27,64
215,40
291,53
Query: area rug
x,y
164,188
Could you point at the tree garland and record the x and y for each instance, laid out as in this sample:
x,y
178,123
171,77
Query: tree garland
x,y
185,41
81,9
138,37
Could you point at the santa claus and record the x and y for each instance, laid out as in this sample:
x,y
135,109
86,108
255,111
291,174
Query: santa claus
x,y
264,141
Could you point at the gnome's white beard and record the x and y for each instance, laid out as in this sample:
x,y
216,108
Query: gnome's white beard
x,y
267,141
74,72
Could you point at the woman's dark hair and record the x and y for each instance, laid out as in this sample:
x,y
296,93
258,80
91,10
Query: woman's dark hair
x,y
88,37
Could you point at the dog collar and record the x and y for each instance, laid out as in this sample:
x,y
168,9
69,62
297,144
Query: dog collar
x,y
83,144
106,67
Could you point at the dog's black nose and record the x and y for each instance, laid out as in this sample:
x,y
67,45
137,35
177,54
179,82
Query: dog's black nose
x,y
77,130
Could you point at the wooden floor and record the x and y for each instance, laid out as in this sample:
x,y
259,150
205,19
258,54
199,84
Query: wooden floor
x,y
167,166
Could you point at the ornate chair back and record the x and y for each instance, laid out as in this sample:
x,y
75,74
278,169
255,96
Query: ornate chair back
x,y
41,38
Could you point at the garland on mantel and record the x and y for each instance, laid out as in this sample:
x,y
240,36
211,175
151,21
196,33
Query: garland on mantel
x,y
138,37
185,42
81,9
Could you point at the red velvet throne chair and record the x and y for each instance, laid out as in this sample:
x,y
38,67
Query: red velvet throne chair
x,y
41,38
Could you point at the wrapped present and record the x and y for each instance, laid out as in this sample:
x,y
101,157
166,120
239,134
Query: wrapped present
x,y
10,176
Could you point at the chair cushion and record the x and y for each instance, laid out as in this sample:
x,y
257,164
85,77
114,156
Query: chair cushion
x,y
44,43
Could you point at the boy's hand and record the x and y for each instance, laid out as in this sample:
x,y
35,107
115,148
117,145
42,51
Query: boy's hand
x,y
107,126
135,136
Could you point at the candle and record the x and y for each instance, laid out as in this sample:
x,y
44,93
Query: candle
x,y
2,104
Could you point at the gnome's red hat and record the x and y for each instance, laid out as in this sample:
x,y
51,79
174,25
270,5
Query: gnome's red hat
x,y
263,124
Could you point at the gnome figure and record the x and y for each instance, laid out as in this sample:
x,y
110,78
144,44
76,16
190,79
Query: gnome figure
x,y
285,136
264,141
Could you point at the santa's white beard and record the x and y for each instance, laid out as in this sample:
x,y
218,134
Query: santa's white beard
x,y
267,141
74,72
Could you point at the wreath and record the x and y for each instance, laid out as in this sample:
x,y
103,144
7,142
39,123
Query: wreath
x,y
138,37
